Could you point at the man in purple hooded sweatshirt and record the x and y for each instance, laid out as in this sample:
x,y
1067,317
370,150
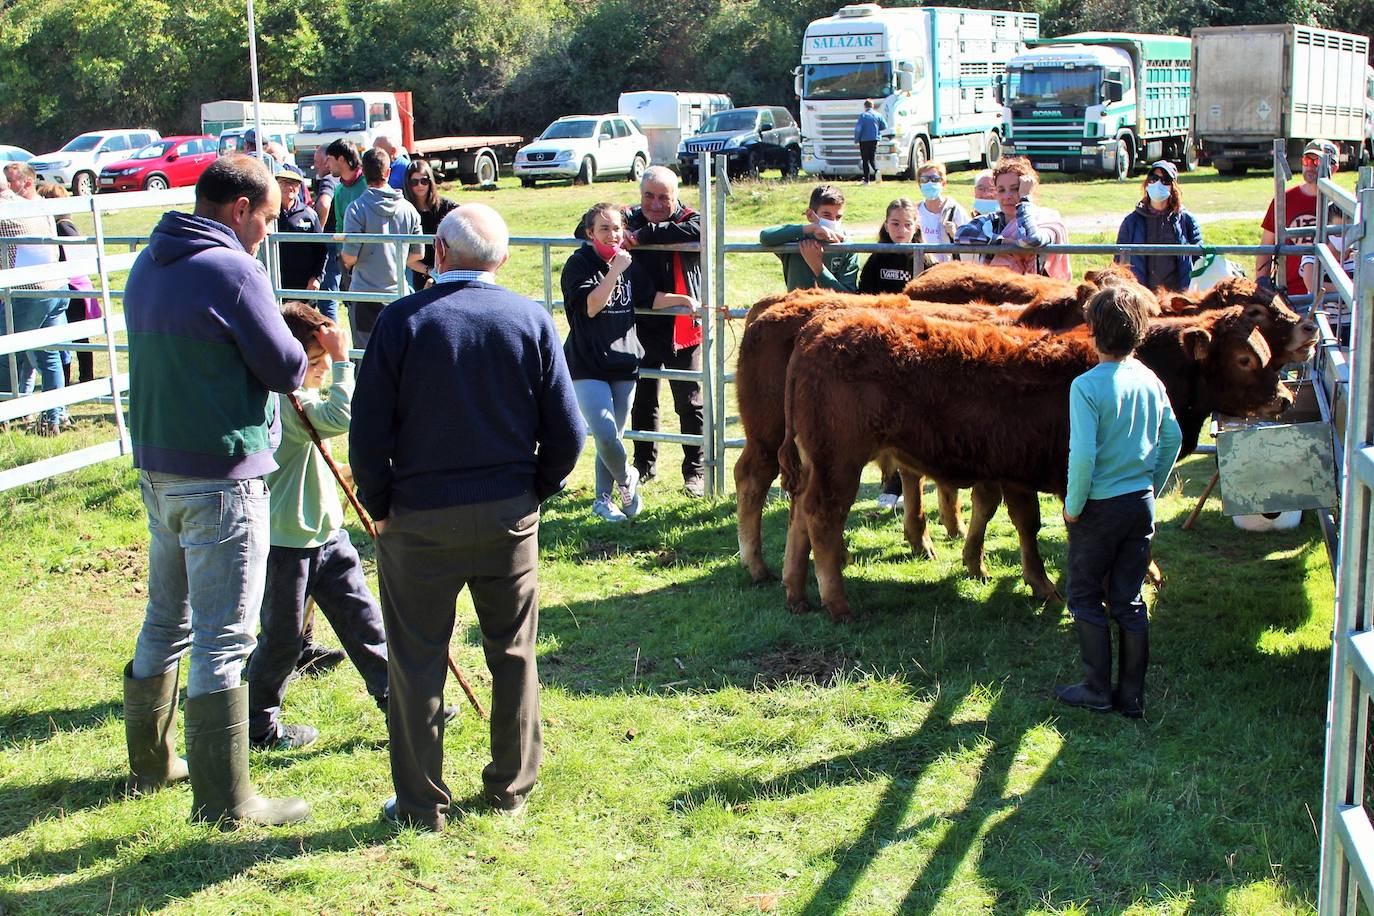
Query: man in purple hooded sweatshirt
x,y
207,347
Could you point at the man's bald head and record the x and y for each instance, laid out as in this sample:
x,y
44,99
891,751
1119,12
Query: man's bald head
x,y
472,237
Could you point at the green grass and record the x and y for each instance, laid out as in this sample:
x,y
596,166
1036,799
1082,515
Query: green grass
x,y
706,752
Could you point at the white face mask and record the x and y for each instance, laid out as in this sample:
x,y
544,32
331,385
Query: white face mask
x,y
1337,242
832,225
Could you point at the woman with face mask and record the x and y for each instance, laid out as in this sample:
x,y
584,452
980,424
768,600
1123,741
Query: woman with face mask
x,y
940,217
1159,219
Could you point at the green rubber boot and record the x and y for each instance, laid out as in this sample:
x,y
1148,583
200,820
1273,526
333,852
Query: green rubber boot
x,y
150,730
217,751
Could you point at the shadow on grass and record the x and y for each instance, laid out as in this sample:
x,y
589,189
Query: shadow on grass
x,y
27,804
155,879
22,727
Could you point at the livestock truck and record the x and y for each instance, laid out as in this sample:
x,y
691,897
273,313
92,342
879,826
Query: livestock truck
x,y
929,72
1100,102
362,117
1259,83
226,114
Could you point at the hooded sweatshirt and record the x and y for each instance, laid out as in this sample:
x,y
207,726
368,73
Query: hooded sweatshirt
x,y
207,344
380,210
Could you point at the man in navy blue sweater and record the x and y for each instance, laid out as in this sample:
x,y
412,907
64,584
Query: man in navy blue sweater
x,y
464,421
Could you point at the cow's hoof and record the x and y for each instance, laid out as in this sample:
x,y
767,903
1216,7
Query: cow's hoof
x,y
977,571
762,575
800,607
842,617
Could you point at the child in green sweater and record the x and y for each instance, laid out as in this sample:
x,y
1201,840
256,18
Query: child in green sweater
x,y
311,555
813,266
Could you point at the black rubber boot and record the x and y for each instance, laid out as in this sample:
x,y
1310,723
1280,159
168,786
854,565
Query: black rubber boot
x,y
150,730
1134,658
217,751
1095,690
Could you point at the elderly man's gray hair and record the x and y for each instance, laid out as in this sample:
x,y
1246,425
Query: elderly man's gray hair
x,y
658,174
474,236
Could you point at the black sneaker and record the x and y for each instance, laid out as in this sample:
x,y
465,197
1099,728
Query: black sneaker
x,y
287,738
317,659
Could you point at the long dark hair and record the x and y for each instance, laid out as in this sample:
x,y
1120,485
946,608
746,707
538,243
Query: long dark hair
x,y
421,167
1175,198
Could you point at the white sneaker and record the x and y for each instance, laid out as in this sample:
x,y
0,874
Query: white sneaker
x,y
891,501
630,502
605,507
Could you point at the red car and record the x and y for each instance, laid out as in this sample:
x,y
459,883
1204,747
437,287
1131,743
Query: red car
x,y
171,162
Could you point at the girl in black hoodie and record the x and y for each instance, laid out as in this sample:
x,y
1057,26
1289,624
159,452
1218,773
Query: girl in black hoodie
x,y
890,273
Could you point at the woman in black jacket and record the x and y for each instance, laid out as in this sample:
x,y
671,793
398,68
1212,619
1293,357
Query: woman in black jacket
x,y
422,191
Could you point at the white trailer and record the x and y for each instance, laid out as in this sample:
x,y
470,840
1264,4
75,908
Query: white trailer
x,y
1255,83
666,117
929,72
217,117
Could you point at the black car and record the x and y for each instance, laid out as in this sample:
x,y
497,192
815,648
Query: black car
x,y
755,138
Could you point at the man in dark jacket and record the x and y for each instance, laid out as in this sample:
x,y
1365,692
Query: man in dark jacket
x,y
207,346
669,341
454,483
302,263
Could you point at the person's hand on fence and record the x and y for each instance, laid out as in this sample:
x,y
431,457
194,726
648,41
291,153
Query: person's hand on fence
x,y
822,234
334,339
811,252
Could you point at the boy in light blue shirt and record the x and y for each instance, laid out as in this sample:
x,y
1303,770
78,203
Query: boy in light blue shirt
x,y
1123,440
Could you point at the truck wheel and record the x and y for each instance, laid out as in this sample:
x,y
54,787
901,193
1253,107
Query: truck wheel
x,y
992,153
486,171
792,168
920,155
526,182
83,185
1123,160
1189,162
587,174
637,169
155,183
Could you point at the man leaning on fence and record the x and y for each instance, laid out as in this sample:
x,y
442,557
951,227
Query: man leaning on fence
x,y
464,421
207,347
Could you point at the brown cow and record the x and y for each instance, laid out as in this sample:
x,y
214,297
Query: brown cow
x,y
969,403
1292,337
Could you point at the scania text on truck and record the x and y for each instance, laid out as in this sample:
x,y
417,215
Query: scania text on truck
x,y
929,72
1100,102
1259,83
362,117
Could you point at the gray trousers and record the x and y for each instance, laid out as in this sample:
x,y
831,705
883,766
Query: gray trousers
x,y
424,559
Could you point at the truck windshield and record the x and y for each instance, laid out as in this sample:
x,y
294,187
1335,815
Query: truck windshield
x,y
1044,86
567,130
728,120
333,114
858,80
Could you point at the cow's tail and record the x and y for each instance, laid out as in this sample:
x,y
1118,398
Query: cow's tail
x,y
789,458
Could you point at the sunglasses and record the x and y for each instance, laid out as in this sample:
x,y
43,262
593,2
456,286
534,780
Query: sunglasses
x,y
1160,179
421,180
1311,159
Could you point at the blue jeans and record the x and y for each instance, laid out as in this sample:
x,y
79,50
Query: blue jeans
x,y
606,408
332,574
207,562
333,269
29,315
1109,555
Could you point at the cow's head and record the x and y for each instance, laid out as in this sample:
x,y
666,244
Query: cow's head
x,y
1240,375
1291,337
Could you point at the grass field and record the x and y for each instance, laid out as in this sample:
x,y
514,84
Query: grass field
x,y
706,752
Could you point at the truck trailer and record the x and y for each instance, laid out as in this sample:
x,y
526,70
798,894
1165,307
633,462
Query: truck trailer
x,y
929,72
362,117
666,117
217,117
1100,102
1259,83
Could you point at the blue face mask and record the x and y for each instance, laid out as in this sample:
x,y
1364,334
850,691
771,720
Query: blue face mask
x,y
985,207
931,190
1157,190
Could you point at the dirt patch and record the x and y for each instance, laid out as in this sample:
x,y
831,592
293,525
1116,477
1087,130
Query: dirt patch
x,y
799,666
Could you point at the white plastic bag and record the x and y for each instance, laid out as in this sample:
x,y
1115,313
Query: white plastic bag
x,y
1210,269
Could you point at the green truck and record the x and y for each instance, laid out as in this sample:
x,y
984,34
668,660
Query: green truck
x,y
1100,102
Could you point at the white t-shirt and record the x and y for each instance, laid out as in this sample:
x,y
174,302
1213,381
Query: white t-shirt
x,y
935,231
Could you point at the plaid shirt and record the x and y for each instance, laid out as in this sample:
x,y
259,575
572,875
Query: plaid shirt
x,y
15,227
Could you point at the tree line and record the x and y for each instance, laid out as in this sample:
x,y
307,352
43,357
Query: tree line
x,y
475,66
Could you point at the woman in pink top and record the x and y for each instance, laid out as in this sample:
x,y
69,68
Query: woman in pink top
x,y
1019,219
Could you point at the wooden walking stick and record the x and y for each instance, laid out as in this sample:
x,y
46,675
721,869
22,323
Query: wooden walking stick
x,y
372,532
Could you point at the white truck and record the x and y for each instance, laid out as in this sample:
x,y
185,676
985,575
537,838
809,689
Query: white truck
x,y
929,72
1254,84
226,114
666,117
362,117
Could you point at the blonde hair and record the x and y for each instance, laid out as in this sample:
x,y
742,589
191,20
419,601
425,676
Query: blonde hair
x,y
933,167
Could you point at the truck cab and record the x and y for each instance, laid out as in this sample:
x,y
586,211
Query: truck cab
x,y
359,117
1074,104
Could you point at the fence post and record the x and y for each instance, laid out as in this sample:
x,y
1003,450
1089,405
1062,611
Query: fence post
x,y
548,277
402,278
274,264
722,411
12,360
116,402
708,412
1279,261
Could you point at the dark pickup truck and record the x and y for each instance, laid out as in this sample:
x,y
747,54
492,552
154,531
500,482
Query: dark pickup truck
x,y
755,138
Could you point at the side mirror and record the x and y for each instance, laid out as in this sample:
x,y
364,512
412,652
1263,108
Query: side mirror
x,y
1113,90
797,82
172,156
998,92
906,80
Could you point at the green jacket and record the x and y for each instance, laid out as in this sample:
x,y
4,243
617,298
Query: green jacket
x,y
306,510
841,271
